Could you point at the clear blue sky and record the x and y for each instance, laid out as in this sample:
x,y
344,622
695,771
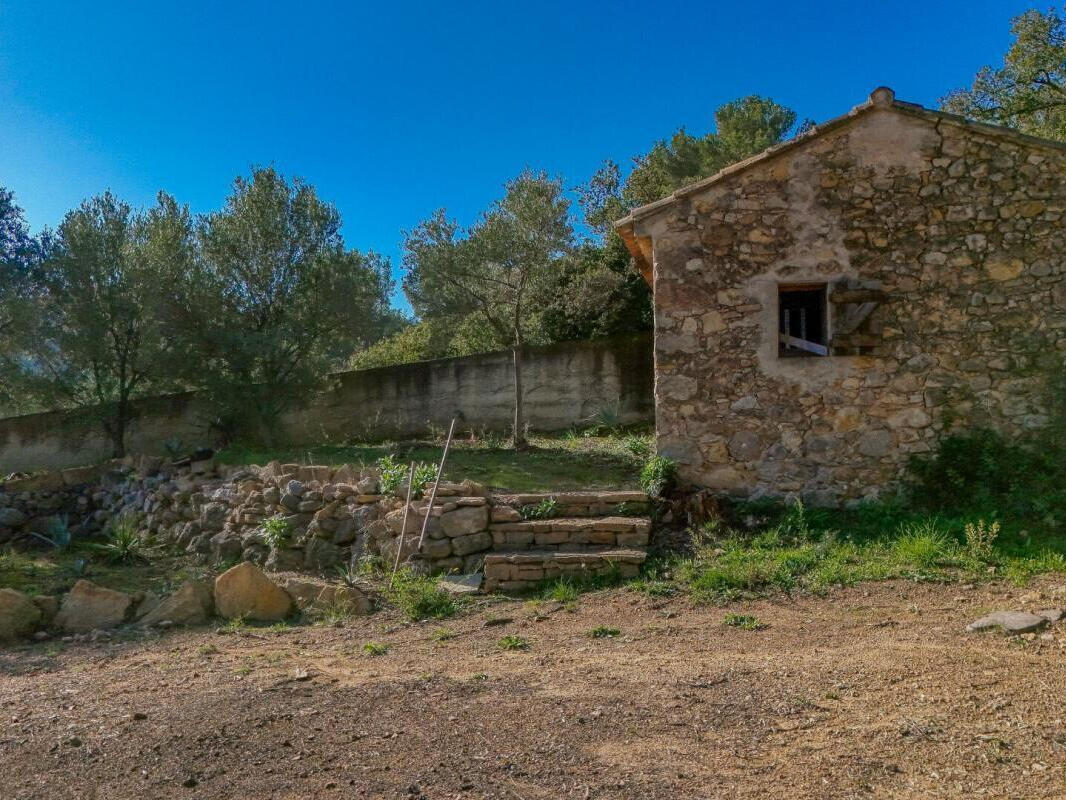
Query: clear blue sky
x,y
394,109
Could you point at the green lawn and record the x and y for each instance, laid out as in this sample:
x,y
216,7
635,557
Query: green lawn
x,y
553,462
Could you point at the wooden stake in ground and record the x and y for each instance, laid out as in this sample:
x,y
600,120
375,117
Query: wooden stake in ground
x,y
403,527
436,483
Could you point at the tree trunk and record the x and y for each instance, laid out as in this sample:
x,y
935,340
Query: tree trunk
x,y
116,429
519,441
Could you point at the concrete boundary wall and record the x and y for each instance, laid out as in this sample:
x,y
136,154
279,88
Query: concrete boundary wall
x,y
564,384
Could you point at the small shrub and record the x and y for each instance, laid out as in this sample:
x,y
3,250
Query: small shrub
x,y
275,532
604,632
638,446
349,574
981,539
745,622
124,542
419,597
604,421
562,590
545,509
331,614
658,476
58,534
391,475
512,642
375,649
922,546
425,474
173,448
444,635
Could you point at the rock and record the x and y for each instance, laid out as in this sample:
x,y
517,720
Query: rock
x,y
147,603
461,584
395,520
465,520
225,546
192,604
295,488
89,607
1009,622
11,518
367,486
244,591
472,543
48,605
321,555
284,559
213,516
311,593
436,548
19,615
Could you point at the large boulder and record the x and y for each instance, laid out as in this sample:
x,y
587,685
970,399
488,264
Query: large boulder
x,y
465,520
88,607
309,593
192,604
244,591
18,615
11,518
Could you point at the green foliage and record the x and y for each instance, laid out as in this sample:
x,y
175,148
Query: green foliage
x,y
1028,91
495,269
444,635
424,475
85,327
979,470
981,539
393,476
375,649
562,590
271,300
637,446
419,597
658,476
124,542
513,642
275,531
58,535
923,546
604,632
744,622
547,508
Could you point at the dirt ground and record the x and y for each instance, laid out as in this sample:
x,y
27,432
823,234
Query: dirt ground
x,y
874,691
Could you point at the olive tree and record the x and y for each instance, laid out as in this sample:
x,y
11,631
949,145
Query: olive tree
x,y
496,269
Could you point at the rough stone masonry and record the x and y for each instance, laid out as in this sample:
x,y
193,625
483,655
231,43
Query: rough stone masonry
x,y
832,306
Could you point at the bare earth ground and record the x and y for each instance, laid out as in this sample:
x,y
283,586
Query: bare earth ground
x,y
874,691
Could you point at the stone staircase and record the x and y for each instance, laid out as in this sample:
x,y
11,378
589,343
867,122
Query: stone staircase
x,y
589,533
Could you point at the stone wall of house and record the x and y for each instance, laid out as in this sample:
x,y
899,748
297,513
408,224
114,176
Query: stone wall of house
x,y
961,228
564,384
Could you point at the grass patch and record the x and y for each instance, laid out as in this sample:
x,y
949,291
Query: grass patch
x,y
791,548
604,632
444,635
554,462
512,642
375,649
419,597
745,622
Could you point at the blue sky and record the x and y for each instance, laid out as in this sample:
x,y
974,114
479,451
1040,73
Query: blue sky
x,y
395,109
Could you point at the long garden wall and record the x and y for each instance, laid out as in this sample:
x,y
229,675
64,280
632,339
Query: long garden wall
x,y
564,384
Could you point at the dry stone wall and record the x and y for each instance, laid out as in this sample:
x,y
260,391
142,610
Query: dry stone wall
x,y
959,229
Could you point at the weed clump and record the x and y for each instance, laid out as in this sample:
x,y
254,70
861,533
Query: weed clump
x,y
419,597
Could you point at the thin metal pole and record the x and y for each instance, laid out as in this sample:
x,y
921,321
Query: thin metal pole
x,y
403,526
436,483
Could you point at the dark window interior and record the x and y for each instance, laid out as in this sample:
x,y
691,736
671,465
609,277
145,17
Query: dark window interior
x,y
802,317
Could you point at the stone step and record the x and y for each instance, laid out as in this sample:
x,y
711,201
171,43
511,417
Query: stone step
x,y
518,571
581,504
594,533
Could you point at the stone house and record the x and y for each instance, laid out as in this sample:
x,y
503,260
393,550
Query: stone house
x,y
833,305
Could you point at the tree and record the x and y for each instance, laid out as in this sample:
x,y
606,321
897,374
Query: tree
x,y
494,270
87,332
17,253
743,128
1028,91
273,301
